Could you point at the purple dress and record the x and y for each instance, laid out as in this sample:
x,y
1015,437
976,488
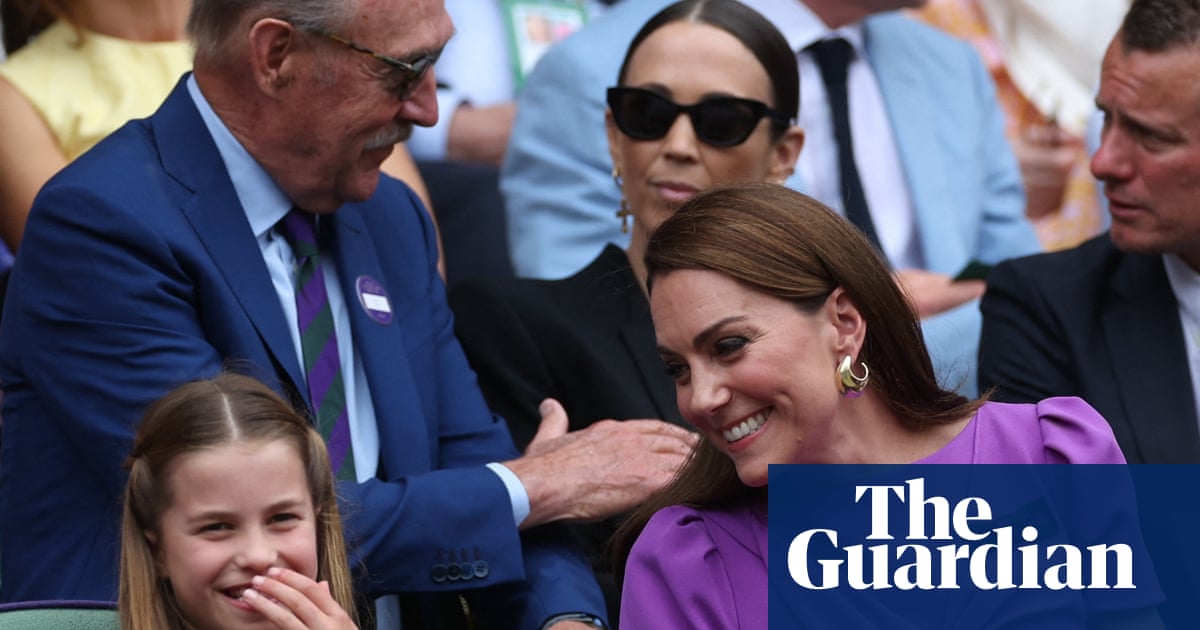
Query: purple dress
x,y
708,568
1054,431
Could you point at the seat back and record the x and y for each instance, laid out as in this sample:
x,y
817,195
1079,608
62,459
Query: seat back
x,y
59,615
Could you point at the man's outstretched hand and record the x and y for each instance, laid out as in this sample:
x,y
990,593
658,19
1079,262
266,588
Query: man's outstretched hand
x,y
596,472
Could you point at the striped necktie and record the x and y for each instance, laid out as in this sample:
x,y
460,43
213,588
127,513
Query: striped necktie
x,y
322,365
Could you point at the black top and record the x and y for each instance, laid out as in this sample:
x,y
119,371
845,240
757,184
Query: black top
x,y
586,340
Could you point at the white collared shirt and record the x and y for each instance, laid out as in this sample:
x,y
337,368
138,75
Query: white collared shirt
x,y
1185,283
879,166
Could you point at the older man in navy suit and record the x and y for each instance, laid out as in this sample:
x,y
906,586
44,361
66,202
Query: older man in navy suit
x,y
160,257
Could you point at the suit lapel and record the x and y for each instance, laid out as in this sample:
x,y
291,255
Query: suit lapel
x,y
637,331
381,346
215,213
1149,359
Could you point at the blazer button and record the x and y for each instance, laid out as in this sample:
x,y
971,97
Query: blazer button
x,y
438,573
454,572
481,569
468,570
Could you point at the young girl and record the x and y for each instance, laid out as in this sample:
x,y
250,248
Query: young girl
x,y
230,516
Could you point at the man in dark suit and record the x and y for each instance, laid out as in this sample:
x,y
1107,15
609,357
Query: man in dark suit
x,y
1116,321
159,258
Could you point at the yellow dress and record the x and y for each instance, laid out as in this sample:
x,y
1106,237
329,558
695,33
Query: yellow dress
x,y
86,85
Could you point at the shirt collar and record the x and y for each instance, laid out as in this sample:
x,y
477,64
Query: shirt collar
x,y
1185,282
802,28
262,200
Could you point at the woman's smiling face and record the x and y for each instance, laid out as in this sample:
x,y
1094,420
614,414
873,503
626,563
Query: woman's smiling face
x,y
754,373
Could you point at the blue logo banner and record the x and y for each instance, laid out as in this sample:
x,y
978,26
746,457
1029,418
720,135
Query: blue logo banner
x,y
984,546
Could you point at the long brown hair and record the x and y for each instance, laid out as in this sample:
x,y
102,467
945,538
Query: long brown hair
x,y
198,416
788,245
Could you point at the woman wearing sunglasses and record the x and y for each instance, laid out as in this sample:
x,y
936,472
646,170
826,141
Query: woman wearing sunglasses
x,y
705,97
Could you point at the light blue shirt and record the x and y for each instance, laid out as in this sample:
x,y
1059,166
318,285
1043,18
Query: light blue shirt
x,y
265,204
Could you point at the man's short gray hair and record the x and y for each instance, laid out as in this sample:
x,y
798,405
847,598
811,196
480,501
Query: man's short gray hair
x,y
213,24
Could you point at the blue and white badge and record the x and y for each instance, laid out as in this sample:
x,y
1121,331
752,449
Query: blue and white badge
x,y
374,300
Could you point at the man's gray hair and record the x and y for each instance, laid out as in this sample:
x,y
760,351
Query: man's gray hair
x,y
213,24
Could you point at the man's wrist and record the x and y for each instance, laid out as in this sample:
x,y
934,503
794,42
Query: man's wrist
x,y
518,496
584,618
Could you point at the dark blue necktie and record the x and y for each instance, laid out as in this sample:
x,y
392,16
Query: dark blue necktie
x,y
833,58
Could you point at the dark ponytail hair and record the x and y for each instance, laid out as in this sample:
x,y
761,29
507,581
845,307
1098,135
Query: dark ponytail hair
x,y
750,28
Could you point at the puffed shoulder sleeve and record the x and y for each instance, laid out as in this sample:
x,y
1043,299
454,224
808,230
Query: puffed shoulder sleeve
x,y
1075,433
675,577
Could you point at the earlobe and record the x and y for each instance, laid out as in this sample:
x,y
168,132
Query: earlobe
x,y
610,127
272,46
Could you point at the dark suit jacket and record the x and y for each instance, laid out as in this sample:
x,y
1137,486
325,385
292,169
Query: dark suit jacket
x,y
139,272
586,340
1101,324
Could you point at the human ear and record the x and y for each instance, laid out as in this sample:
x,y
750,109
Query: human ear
x,y
614,139
152,542
850,329
785,152
272,44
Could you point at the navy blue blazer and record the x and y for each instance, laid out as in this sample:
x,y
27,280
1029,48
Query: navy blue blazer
x,y
138,272
1101,324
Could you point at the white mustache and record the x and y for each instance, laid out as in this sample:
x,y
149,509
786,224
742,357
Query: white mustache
x,y
388,137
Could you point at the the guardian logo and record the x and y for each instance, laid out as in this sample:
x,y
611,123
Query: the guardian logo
x,y
953,554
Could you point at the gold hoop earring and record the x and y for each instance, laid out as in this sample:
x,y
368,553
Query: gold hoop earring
x,y
623,213
849,384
